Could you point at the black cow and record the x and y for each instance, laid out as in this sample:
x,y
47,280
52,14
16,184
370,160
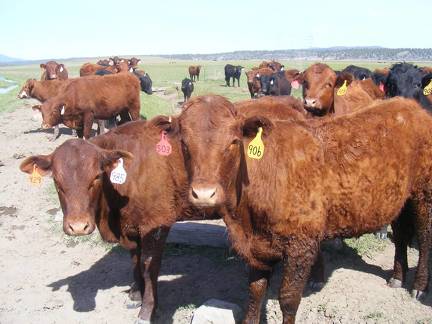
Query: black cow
x,y
103,72
233,72
405,80
275,85
187,88
145,81
359,73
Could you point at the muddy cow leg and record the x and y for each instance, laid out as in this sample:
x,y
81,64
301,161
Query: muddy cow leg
x,y
101,126
316,280
422,204
137,286
402,234
299,255
152,245
56,133
258,283
88,119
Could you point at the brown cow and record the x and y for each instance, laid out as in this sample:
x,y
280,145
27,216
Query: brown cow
x,y
106,62
194,72
275,66
53,70
253,82
137,213
92,98
337,177
133,62
91,69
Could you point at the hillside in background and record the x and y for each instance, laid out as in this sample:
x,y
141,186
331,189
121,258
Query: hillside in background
x,y
8,59
332,53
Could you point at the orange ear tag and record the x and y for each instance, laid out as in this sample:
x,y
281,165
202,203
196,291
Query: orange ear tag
x,y
163,147
256,146
35,177
342,90
118,175
295,84
428,89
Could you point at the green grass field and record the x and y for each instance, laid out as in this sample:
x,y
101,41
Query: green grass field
x,y
167,74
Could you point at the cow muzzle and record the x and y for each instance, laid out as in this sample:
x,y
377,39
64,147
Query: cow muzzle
x,y
311,103
205,195
53,76
78,228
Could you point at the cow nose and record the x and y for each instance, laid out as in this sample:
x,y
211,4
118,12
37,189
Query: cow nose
x,y
310,102
204,195
53,76
78,228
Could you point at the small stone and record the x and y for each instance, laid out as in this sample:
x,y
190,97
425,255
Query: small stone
x,y
215,311
18,156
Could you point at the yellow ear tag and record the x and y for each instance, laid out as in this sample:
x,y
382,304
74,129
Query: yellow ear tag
x,y
428,89
342,90
256,146
35,177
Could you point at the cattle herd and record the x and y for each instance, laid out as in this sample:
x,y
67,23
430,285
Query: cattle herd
x,y
284,174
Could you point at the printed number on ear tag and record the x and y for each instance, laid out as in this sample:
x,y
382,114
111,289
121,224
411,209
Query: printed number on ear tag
x,y
118,175
295,84
163,147
256,146
342,90
35,177
428,89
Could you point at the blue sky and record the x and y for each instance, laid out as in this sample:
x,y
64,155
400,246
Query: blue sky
x,y
55,29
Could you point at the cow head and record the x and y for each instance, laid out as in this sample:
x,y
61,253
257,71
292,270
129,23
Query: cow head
x,y
133,62
79,188
52,70
267,83
404,80
52,112
26,90
318,83
211,135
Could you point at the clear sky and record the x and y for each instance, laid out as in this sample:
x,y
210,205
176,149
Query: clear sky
x,y
36,29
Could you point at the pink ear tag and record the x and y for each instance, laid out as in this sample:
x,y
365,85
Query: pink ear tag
x,y
295,84
163,147
381,87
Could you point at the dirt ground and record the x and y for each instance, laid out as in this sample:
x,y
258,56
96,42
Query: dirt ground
x,y
49,278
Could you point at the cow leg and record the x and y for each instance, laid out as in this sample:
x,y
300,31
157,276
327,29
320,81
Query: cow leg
x,y
299,255
238,82
152,245
101,126
316,280
258,283
423,228
402,233
74,133
56,133
79,132
227,80
137,286
88,119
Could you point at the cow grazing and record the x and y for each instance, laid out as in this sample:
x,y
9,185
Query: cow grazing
x,y
145,81
137,213
91,98
194,72
53,71
405,80
91,69
233,72
275,66
253,81
334,177
275,85
359,73
187,88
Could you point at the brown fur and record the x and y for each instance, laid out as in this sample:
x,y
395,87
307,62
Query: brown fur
x,y
194,72
94,97
336,177
139,213
275,66
91,69
42,90
133,62
53,70
253,82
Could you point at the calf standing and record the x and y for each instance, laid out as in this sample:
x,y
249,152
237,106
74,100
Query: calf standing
x,y
233,72
194,72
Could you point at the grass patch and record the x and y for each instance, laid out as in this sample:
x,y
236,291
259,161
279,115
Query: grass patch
x,y
366,245
374,316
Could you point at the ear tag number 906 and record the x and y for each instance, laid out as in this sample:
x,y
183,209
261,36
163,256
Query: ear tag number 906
x,y
255,149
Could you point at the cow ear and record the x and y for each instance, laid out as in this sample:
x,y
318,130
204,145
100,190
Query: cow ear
x,y
426,80
168,124
348,77
299,77
43,66
41,162
37,107
250,126
111,157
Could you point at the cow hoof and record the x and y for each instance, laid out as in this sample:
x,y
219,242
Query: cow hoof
x,y
141,321
133,305
418,294
315,286
394,283
135,295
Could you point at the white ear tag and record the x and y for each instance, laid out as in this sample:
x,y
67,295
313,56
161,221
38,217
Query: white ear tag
x,y
271,82
61,68
131,70
118,175
62,110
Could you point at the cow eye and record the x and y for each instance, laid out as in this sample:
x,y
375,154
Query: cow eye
x,y
328,85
